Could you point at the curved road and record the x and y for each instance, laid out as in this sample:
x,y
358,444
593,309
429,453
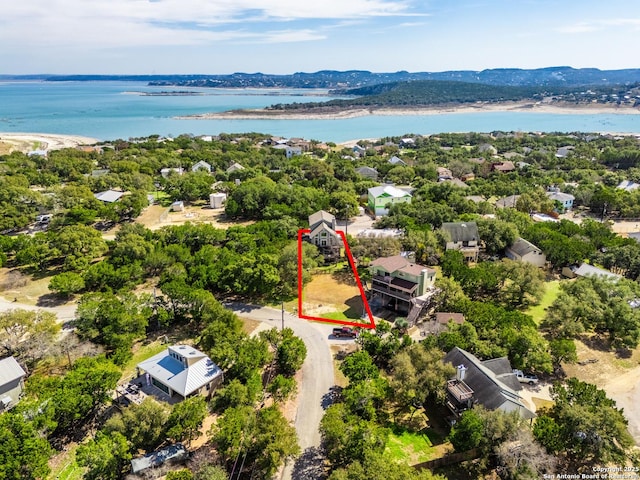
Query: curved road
x,y
316,385
317,374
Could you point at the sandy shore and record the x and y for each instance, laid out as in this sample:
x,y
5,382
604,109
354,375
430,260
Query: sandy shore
x,y
25,142
330,114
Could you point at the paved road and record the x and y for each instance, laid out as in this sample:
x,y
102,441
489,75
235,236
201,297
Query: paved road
x,y
316,386
64,312
317,374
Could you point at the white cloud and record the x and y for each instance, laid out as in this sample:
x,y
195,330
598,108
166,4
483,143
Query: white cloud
x,y
132,23
586,27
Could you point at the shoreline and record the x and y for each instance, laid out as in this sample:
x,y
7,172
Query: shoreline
x,y
26,142
335,113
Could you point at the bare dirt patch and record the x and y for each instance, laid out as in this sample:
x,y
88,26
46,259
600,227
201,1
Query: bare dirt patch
x,y
157,216
338,353
22,288
619,377
327,293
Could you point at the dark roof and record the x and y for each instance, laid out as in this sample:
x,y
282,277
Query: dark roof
x,y
521,247
491,390
461,231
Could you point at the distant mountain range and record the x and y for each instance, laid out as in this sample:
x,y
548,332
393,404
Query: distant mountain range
x,y
339,80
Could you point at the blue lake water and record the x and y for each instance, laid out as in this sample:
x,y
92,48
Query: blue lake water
x,y
108,110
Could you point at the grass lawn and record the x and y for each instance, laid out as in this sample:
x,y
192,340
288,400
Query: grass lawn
x,y
552,289
67,468
409,447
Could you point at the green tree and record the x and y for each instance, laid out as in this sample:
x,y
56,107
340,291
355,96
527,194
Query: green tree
x,y
281,388
496,234
585,425
105,456
358,366
182,474
186,418
596,304
142,424
348,438
418,373
28,335
66,283
291,353
78,245
24,453
376,467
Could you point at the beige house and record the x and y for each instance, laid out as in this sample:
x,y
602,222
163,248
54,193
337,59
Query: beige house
x,y
396,282
525,251
464,237
323,233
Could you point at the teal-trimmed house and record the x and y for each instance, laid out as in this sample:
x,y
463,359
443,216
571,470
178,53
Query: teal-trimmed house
x,y
380,198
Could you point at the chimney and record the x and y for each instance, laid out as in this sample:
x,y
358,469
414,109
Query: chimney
x,y
460,372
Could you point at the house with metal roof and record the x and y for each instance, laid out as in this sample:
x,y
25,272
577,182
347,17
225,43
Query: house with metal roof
x,y
380,198
182,371
490,383
109,196
524,251
464,237
11,383
586,270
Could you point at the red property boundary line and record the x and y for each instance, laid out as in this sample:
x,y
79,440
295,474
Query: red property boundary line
x,y
347,250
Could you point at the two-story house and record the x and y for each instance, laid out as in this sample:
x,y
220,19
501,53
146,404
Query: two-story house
x,y
490,383
464,237
323,233
397,282
380,198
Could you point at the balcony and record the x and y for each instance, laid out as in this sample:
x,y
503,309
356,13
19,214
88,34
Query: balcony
x,y
394,287
459,390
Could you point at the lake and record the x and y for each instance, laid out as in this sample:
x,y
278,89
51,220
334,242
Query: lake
x,y
111,110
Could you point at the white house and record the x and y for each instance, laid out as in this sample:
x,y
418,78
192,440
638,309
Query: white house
x,y
566,199
165,172
11,383
235,167
525,251
201,165
182,371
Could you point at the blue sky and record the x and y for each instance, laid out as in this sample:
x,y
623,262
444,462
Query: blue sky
x,y
286,36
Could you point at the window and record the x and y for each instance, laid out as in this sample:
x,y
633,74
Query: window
x,y
161,386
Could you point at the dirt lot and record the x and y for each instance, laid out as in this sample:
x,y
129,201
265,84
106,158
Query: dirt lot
x,y
618,376
157,216
327,294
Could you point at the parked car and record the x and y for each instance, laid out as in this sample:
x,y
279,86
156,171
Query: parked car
x,y
344,332
524,378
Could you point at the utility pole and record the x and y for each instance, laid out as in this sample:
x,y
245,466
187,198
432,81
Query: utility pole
x,y
282,317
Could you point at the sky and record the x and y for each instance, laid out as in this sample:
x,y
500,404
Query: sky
x,y
286,36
